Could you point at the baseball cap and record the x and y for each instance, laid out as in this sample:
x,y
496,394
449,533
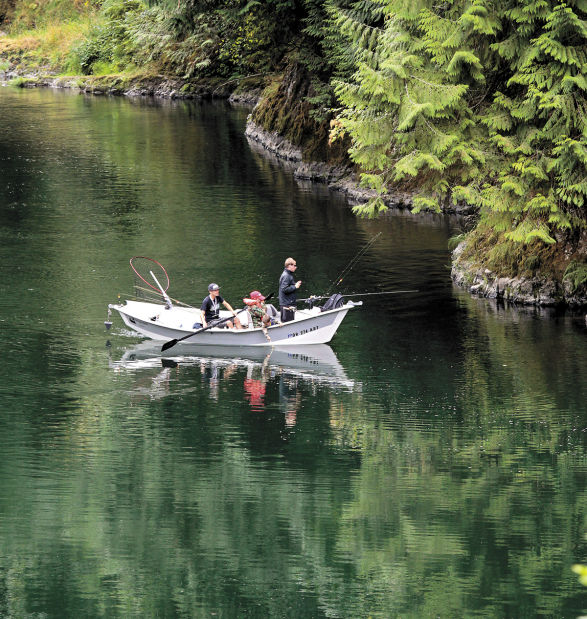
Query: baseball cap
x,y
257,296
213,287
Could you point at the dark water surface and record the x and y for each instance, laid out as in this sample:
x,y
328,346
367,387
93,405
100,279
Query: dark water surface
x,y
430,463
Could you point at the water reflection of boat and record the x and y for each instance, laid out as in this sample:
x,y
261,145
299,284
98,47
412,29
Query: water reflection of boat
x,y
317,363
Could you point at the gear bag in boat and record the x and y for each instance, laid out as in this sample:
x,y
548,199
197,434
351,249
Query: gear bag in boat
x,y
332,303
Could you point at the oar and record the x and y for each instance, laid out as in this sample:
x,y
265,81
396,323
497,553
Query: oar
x,y
172,343
163,293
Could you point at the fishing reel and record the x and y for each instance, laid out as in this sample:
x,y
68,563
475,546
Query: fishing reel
x,y
311,300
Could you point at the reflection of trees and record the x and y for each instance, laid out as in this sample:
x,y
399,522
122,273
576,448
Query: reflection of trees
x,y
460,531
482,509
165,508
182,507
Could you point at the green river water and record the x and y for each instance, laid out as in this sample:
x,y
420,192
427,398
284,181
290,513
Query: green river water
x,y
434,466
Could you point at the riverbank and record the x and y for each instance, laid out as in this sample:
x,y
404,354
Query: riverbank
x,y
342,178
544,283
246,90
532,289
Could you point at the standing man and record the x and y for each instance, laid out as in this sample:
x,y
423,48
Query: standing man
x,y
288,288
211,309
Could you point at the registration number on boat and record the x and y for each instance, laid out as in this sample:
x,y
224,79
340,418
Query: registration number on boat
x,y
302,332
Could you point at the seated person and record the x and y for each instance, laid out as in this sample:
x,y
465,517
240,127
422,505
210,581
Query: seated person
x,y
211,310
257,310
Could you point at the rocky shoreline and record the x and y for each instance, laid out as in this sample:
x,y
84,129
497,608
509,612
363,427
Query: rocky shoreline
x,y
538,291
338,178
159,86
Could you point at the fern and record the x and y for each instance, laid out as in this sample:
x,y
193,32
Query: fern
x,y
516,150
421,202
576,275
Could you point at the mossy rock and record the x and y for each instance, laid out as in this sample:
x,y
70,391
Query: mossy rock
x,y
22,82
285,109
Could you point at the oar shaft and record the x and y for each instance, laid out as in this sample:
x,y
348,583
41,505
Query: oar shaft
x,y
172,343
161,289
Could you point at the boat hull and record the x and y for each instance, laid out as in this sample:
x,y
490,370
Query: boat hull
x,y
160,323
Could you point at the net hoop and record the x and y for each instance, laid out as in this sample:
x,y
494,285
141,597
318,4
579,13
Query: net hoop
x,y
143,279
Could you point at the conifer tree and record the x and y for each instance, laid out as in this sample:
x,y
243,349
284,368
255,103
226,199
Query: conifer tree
x,y
476,101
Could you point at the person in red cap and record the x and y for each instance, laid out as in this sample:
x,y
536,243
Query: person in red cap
x,y
258,310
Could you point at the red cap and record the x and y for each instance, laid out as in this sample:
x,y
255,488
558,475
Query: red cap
x,y
257,296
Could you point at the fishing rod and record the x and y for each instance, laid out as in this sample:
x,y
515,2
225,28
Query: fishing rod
x,y
352,263
176,301
358,294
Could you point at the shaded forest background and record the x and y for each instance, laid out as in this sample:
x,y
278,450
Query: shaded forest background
x,y
473,102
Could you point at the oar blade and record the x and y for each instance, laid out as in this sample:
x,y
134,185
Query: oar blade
x,y
168,345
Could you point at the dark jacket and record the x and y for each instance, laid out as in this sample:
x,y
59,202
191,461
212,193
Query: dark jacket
x,y
287,289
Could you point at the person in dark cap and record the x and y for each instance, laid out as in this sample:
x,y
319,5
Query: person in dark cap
x,y
211,309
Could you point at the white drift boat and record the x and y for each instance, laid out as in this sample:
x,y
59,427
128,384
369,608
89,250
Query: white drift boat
x,y
167,322
173,324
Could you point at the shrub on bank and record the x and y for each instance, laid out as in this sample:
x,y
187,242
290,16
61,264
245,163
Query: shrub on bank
x,y
41,34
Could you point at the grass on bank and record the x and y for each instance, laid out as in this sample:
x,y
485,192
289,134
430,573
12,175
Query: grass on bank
x,y
46,47
32,15
45,35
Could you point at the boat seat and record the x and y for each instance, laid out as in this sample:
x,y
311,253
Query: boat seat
x,y
272,312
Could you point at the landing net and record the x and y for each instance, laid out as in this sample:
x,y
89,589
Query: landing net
x,y
143,267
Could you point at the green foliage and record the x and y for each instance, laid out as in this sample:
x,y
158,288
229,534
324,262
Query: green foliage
x,y
244,47
219,37
478,103
108,46
576,274
455,241
244,37
89,51
498,252
19,82
23,15
371,209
